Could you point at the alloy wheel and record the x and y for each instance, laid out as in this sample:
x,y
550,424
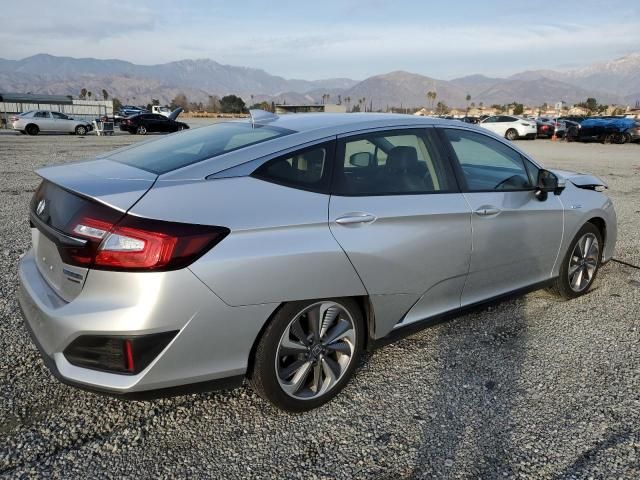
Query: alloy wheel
x,y
583,262
315,350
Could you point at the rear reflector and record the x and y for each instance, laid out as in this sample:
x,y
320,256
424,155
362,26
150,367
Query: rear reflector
x,y
117,354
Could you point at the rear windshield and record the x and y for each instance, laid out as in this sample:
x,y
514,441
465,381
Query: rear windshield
x,y
192,146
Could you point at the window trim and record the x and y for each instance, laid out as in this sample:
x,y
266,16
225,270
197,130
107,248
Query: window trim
x,y
457,166
323,186
418,131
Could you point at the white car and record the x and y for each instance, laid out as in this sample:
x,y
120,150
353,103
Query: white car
x,y
165,111
510,127
37,121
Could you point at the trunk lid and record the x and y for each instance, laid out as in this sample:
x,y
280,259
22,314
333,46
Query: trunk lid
x,y
64,194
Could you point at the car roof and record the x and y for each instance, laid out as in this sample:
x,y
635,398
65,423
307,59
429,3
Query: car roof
x,y
307,129
343,123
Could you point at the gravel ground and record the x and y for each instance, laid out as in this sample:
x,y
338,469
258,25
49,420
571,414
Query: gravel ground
x,y
530,388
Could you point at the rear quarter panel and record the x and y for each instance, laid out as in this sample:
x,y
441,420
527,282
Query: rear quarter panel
x,y
279,249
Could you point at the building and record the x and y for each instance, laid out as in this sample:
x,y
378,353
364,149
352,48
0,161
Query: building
x,y
325,108
13,103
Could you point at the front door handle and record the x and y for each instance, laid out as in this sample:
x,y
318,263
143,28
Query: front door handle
x,y
487,211
355,218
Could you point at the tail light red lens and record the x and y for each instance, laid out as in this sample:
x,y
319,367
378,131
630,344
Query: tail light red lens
x,y
137,244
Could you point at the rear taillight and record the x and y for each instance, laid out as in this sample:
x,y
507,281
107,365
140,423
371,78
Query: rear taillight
x,y
135,243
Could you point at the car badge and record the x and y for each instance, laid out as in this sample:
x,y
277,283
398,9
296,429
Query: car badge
x,y
41,206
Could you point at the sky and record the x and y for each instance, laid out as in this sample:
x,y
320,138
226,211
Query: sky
x,y
330,38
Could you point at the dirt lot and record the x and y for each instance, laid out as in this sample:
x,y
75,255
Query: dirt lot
x,y
530,388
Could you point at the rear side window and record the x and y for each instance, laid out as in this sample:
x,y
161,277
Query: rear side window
x,y
41,115
307,169
391,163
192,146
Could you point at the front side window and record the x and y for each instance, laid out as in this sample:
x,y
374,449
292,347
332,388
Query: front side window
x,y
192,146
488,164
307,169
392,162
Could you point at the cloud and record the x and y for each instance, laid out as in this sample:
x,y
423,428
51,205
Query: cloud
x,y
355,38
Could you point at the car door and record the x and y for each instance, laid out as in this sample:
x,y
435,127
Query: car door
x,y
63,123
397,212
491,123
149,122
44,121
516,236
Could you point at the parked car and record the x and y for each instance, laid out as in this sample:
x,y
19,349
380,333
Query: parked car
x,y
153,123
129,110
510,127
283,247
606,130
469,119
36,121
564,125
545,129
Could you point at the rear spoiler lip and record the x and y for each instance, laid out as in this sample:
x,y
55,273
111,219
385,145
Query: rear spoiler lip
x,y
110,183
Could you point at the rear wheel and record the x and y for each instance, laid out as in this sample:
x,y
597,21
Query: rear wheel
x,y
581,263
621,138
141,130
81,130
308,353
32,129
511,134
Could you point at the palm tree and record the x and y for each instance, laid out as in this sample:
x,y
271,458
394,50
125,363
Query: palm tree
x,y
105,94
468,97
364,102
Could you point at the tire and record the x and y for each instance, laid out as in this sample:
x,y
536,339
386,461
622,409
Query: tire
x,y
511,134
181,127
32,129
296,369
141,130
565,285
621,138
81,130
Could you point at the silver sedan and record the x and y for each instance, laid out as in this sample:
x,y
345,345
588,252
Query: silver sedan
x,y
36,121
279,249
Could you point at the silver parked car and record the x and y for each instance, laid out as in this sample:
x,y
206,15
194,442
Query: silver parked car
x,y
279,249
37,121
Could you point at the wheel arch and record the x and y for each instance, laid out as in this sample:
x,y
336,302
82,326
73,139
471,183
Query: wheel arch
x,y
365,309
601,225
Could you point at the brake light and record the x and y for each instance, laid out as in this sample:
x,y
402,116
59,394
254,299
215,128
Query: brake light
x,y
138,244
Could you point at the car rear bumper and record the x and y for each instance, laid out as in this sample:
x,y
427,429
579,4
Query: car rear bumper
x,y
211,349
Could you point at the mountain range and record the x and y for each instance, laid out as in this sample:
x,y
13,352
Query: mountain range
x,y
616,81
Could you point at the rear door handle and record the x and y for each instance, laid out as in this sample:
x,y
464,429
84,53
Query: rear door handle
x,y
487,211
355,218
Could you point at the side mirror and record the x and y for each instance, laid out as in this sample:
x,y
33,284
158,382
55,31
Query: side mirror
x,y
548,182
360,159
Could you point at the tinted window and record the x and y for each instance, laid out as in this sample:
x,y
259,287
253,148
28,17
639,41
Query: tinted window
x,y
392,162
488,164
490,120
191,146
59,116
307,169
41,115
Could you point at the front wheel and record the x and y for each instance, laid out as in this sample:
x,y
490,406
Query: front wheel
x,y
511,134
81,130
308,352
580,264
